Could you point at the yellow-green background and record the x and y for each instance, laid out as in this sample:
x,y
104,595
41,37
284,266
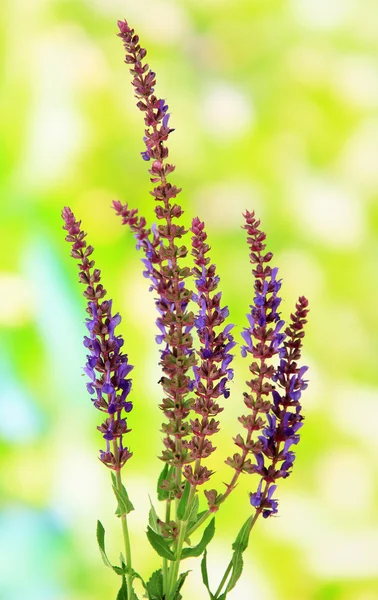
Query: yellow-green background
x,y
275,109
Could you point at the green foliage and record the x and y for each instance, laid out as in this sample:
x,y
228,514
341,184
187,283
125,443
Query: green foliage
x,y
239,546
242,539
162,494
122,594
182,505
237,569
160,544
205,576
192,512
180,582
155,586
136,575
100,534
124,505
153,518
206,538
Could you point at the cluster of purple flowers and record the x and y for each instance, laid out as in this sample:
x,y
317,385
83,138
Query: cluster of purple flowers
x,y
263,312
264,339
194,381
213,372
285,418
107,368
163,253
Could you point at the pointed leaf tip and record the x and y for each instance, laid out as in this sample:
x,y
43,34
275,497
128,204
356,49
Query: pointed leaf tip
x,y
160,544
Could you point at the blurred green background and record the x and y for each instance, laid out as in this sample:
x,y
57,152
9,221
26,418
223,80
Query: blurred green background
x,y
275,109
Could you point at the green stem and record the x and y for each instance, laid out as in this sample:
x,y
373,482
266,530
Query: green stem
x,y
125,531
200,521
176,565
180,542
226,574
229,567
165,560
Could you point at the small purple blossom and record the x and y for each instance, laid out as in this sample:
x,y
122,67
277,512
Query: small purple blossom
x,y
264,502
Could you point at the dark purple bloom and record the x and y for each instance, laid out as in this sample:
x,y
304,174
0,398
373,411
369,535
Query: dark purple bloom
x,y
107,367
264,502
285,418
264,309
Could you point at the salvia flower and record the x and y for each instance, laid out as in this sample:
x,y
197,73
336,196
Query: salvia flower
x,y
264,338
144,81
213,371
276,457
162,261
107,368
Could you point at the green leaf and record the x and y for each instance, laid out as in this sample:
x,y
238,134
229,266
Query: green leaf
x,y
100,534
200,515
153,518
239,546
160,544
180,582
237,569
122,594
193,524
206,538
181,509
135,575
241,542
155,586
124,504
162,494
192,511
205,576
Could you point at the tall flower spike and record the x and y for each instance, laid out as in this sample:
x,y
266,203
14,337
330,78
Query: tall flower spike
x,y
285,418
167,275
263,340
214,371
107,368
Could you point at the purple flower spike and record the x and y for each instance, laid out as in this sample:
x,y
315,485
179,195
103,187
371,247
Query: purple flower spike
x,y
164,250
262,340
276,413
144,80
285,419
106,367
214,372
